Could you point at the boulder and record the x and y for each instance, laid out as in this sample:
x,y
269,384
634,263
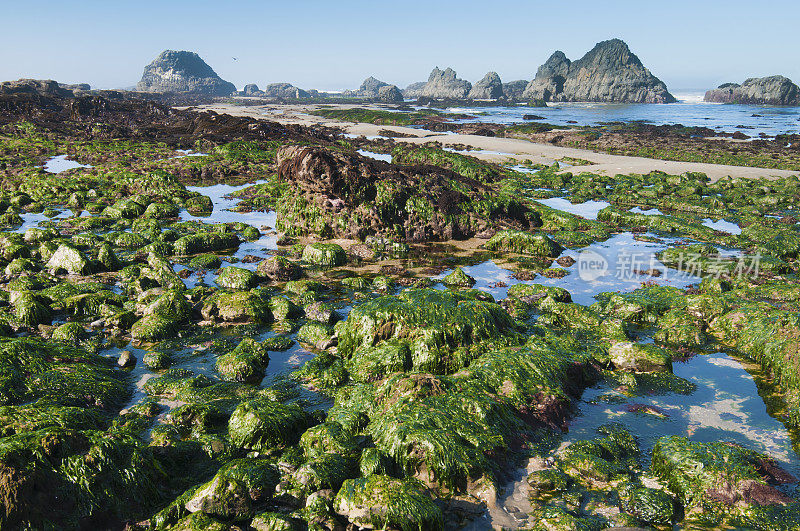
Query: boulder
x,y
70,260
772,90
609,72
488,88
382,502
185,72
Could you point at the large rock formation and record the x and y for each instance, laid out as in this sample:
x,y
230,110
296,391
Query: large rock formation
x,y
414,90
251,89
773,90
514,89
373,88
183,72
354,197
443,84
285,91
488,88
609,72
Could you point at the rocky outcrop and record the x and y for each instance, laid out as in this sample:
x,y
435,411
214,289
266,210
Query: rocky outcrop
x,y
183,72
414,90
443,84
376,89
354,197
772,90
44,87
514,89
285,91
488,88
251,89
609,72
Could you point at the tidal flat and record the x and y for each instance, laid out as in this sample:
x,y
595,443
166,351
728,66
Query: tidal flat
x,y
220,322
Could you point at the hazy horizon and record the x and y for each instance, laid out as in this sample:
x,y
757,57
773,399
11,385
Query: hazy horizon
x,y
109,45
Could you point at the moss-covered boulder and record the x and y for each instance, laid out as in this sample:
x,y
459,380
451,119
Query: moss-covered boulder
x,y
154,327
56,478
69,332
235,490
204,242
29,309
68,259
324,254
443,330
124,209
639,357
534,244
205,261
265,425
279,269
238,306
199,204
232,277
246,363
647,504
172,305
720,478
161,211
316,334
382,502
458,279
31,369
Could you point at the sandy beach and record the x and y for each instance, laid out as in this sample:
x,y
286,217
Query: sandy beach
x,y
501,149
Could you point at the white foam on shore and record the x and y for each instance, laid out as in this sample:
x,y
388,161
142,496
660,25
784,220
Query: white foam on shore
x,y
689,97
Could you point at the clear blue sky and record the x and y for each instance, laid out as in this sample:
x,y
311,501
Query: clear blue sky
x,y
335,45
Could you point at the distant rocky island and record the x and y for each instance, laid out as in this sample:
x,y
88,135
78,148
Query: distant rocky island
x,y
609,72
376,89
772,90
183,72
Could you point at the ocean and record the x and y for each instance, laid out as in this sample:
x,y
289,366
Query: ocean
x,y
752,120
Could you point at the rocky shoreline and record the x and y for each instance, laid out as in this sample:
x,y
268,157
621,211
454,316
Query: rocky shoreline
x,y
325,355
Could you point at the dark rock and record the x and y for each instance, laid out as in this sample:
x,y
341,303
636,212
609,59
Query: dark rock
x,y
44,87
514,89
426,202
609,72
773,90
488,88
185,72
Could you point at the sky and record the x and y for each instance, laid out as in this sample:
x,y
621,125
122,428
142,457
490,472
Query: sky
x,y
335,45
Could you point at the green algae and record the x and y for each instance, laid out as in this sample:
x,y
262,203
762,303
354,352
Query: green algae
x,y
384,502
263,425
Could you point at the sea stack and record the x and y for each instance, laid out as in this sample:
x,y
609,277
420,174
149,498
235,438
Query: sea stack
x,y
183,72
609,72
373,88
488,88
772,90
444,84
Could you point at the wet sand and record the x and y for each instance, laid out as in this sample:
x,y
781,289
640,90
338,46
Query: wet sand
x,y
500,149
